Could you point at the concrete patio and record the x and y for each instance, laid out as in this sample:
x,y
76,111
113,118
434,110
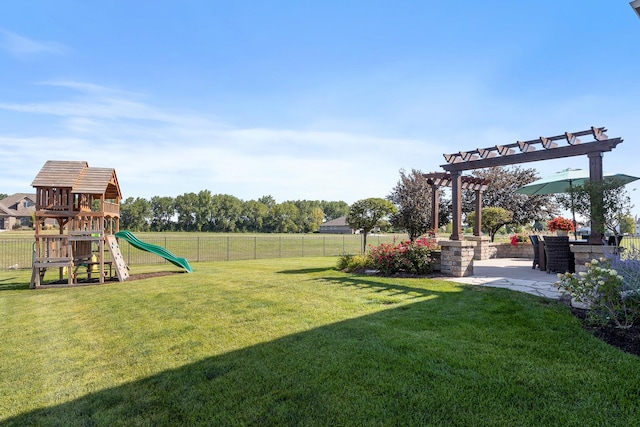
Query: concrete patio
x,y
511,273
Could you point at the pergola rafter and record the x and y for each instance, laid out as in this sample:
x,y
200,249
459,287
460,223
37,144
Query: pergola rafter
x,y
502,155
440,179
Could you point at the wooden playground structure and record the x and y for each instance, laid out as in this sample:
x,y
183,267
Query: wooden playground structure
x,y
85,203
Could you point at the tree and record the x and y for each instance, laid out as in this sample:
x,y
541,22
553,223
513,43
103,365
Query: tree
x,y
3,196
333,210
203,210
608,199
627,225
162,213
282,218
501,193
365,214
135,214
225,211
310,215
252,216
492,220
186,209
412,197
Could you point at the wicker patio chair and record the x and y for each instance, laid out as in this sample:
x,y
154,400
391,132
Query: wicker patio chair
x,y
558,254
535,241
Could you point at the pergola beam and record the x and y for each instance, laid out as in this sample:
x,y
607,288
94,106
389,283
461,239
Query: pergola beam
x,y
525,157
525,146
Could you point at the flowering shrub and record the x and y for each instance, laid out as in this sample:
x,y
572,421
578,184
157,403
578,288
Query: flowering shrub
x,y
405,257
559,223
518,238
610,286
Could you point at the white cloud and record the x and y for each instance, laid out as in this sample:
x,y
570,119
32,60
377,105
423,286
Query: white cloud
x,y
156,152
21,46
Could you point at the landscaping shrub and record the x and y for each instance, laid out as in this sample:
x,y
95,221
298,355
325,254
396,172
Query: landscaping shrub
x,y
610,286
405,257
351,262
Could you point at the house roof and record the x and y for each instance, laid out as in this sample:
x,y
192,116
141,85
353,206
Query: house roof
x,y
4,210
78,176
11,201
17,197
337,222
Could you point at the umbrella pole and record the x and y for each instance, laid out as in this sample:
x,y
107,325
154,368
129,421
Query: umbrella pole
x,y
573,213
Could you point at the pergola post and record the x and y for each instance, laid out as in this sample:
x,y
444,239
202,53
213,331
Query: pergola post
x,y
477,227
435,208
456,184
597,216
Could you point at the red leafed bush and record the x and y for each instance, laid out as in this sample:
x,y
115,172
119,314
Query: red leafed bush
x,y
405,257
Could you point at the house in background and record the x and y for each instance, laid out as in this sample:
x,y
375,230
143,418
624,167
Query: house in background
x,y
17,211
336,226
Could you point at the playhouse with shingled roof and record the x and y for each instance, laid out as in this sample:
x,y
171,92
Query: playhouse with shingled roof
x,y
85,203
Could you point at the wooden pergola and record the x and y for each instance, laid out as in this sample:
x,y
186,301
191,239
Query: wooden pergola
x,y
440,179
502,155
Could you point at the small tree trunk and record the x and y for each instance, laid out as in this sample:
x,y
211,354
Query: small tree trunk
x,y
364,242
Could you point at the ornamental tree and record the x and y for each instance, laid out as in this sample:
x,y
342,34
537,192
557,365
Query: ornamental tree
x,y
492,220
366,214
412,196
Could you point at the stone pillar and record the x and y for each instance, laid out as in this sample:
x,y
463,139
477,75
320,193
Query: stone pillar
x,y
482,248
585,253
457,257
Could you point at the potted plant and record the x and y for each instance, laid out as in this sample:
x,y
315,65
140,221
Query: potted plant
x,y
560,225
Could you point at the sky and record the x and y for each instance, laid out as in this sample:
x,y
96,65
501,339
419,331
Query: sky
x,y
316,100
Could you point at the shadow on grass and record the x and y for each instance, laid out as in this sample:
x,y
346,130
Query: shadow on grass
x,y
12,284
17,283
412,365
307,270
380,286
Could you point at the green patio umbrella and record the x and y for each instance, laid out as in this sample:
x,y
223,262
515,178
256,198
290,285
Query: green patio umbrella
x,y
561,182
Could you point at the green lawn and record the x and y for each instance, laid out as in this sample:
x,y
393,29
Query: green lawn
x,y
295,342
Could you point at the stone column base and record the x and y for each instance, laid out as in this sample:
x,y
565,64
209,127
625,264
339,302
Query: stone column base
x,y
585,253
457,257
482,249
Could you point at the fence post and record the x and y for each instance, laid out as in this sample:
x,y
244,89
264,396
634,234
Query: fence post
x,y
303,246
324,245
198,249
228,248
279,246
255,247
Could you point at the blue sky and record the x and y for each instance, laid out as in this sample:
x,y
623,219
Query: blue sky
x,y
322,100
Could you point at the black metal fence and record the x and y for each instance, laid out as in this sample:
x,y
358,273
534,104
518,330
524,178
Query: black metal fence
x,y
18,253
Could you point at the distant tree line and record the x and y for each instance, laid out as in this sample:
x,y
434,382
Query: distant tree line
x,y
205,211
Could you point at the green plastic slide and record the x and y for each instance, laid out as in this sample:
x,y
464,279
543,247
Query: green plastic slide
x,y
154,249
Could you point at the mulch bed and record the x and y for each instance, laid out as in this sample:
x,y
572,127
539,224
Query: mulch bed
x,y
627,340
